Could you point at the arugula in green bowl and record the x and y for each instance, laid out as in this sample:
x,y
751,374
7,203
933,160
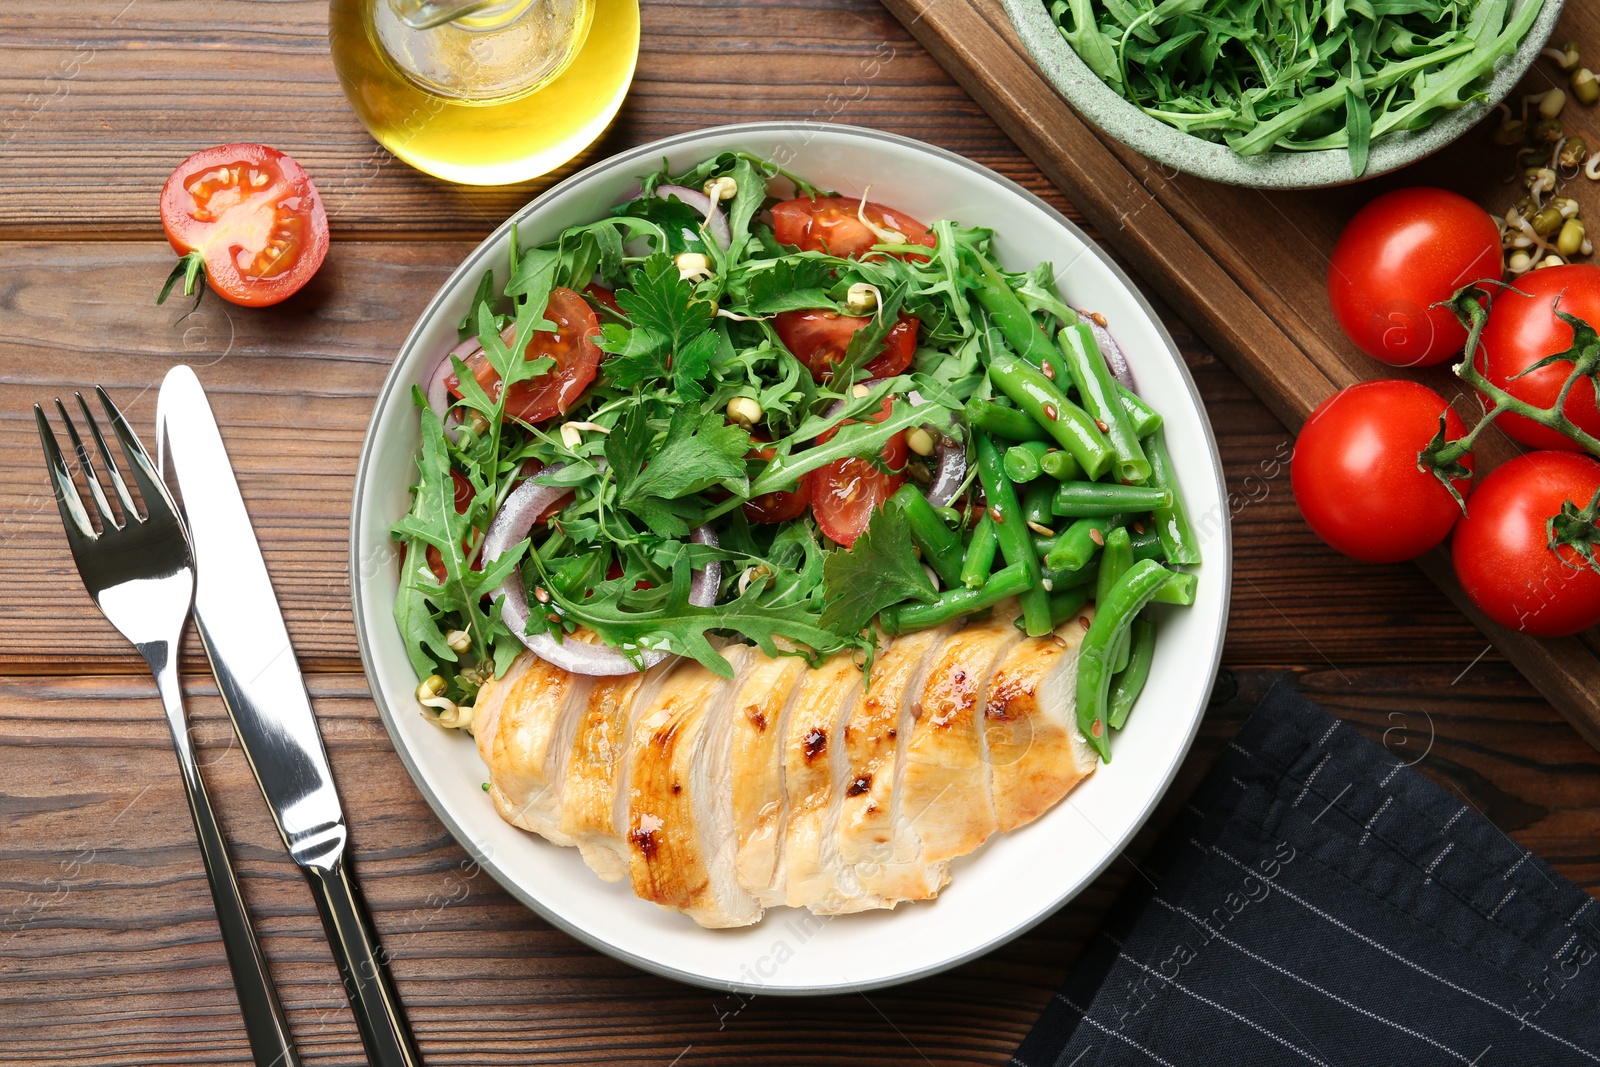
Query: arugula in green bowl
x,y
1303,75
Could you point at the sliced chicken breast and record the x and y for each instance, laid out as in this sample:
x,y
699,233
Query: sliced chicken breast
x,y
532,736
875,740
756,722
942,807
813,761
594,796
679,813
491,698
1036,754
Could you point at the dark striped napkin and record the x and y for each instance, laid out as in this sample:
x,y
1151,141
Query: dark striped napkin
x,y
1320,902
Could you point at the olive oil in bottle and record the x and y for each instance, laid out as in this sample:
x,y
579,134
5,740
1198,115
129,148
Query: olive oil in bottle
x,y
485,93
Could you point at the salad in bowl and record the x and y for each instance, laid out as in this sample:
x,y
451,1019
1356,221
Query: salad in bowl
x,y
778,547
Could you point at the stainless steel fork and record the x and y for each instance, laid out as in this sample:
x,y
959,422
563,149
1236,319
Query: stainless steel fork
x,y
140,572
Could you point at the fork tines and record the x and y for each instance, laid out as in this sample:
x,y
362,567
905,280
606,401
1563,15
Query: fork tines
x,y
74,515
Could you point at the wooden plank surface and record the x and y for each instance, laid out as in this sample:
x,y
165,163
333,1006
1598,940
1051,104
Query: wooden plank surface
x,y
1248,268
108,953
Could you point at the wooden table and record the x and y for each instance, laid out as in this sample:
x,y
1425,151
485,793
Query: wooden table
x,y
109,953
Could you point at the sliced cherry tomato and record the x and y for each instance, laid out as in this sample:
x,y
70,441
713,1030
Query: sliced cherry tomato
x,y
250,218
1355,474
1503,553
846,492
615,571
780,506
819,338
571,346
1522,330
832,224
1397,259
601,295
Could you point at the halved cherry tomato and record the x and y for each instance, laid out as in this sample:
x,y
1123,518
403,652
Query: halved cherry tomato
x,y
819,338
832,224
1523,329
780,506
601,295
846,492
571,346
615,571
250,218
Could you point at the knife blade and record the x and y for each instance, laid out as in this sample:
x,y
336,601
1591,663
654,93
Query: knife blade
x,y
242,629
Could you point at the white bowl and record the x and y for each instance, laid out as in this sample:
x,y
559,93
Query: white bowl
x,y
1014,881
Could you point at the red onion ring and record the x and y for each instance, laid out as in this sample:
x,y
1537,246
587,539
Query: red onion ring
x,y
516,517
1111,350
438,393
716,222
706,582
951,473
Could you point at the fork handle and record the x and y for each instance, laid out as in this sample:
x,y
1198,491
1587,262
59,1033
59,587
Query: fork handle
x,y
363,965
270,1042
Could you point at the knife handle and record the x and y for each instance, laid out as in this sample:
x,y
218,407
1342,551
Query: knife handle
x,y
362,964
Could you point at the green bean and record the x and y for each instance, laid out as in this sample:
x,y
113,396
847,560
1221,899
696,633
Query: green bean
x,y
951,516
1077,499
1084,576
1009,423
1037,501
941,548
954,603
1060,465
1144,419
1043,544
1112,618
1067,603
1179,589
1079,544
1007,311
1065,421
1147,545
1022,460
1115,559
1172,520
1011,534
980,554
1098,391
1127,684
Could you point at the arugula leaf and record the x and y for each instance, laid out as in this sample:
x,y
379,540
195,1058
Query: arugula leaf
x,y
433,521
681,627
483,297
880,569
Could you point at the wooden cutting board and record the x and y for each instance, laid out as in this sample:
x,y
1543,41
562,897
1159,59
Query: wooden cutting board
x,y
1247,269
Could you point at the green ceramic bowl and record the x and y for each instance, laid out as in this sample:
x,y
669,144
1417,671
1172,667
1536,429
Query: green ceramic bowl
x,y
1104,107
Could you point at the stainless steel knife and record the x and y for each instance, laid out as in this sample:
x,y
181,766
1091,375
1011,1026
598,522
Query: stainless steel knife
x,y
247,643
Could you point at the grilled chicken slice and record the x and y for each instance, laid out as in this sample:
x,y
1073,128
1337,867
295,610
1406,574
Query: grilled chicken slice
x,y
491,698
756,722
942,807
532,736
681,848
1036,754
594,798
813,765
875,740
